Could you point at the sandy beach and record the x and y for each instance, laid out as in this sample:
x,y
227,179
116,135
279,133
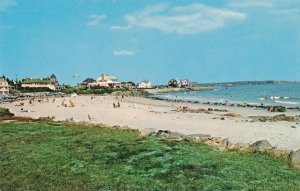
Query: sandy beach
x,y
140,113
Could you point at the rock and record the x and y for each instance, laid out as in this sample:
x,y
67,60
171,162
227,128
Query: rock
x,y
223,118
217,142
277,108
280,153
163,133
241,146
147,132
261,146
295,158
232,115
197,137
176,136
275,118
166,134
125,127
293,127
221,110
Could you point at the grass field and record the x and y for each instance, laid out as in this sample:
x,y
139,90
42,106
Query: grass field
x,y
61,156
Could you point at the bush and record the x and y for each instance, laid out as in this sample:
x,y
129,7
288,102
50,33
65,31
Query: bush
x,y
5,112
29,90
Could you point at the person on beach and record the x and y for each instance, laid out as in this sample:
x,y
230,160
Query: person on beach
x,y
245,103
118,104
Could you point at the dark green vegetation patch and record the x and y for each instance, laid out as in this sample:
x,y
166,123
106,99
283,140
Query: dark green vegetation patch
x,y
58,156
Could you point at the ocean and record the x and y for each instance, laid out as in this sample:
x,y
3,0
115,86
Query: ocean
x,y
284,94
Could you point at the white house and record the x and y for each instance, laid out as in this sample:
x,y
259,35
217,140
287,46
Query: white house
x,y
4,91
49,82
144,84
106,81
3,83
179,83
4,86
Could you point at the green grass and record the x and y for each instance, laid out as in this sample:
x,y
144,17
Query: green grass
x,y
45,156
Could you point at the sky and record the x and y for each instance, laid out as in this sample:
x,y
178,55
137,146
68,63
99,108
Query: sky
x,y
135,40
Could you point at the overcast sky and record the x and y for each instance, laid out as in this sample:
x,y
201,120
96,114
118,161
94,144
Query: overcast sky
x,y
204,41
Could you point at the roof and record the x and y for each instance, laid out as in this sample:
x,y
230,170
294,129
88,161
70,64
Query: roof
x,y
145,81
3,90
52,76
2,79
36,81
88,80
111,77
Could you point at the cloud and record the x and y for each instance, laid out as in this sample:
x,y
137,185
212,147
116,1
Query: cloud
x,y
186,20
123,53
287,11
95,20
253,3
120,27
4,4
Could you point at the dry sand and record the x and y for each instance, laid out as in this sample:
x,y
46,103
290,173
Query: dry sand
x,y
139,113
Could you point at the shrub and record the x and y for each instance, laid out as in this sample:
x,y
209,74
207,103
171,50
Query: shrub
x,y
5,112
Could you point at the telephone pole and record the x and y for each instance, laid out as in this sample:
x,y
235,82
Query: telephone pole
x,y
16,83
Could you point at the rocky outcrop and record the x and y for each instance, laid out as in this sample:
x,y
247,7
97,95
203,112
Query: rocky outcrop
x,y
241,146
280,153
261,146
224,144
147,131
276,118
295,158
276,108
197,138
168,135
217,142
232,115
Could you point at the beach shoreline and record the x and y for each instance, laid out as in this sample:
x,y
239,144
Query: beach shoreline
x,y
141,113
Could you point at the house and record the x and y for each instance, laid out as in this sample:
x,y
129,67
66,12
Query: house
x,y
49,82
179,83
4,91
4,86
106,81
184,83
3,83
144,84
128,84
88,81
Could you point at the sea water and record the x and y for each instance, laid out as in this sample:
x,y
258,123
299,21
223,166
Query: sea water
x,y
285,94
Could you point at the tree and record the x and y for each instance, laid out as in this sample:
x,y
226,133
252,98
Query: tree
x,y
173,83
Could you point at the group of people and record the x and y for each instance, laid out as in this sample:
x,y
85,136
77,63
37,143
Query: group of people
x,y
116,105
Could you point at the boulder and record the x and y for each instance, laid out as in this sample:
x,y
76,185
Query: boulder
x,y
197,137
147,131
295,158
163,133
166,134
280,153
176,136
277,108
261,146
242,146
217,142
232,115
